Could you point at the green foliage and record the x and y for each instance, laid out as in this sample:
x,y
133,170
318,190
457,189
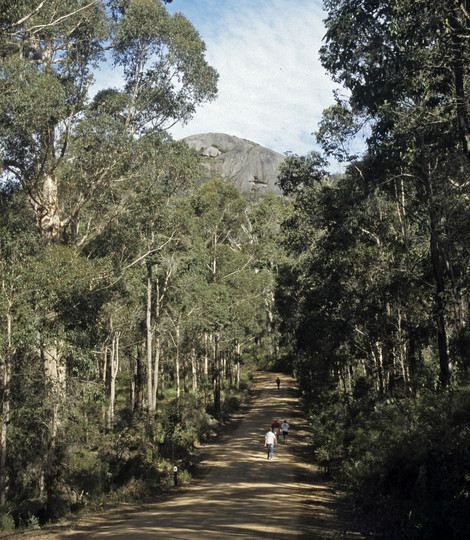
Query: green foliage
x,y
377,262
85,475
7,523
118,281
404,460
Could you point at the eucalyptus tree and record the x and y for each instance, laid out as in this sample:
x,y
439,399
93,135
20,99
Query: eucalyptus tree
x,y
264,227
221,223
77,159
404,64
49,54
18,246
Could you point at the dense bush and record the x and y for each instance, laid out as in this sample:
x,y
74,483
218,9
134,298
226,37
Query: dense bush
x,y
133,461
406,461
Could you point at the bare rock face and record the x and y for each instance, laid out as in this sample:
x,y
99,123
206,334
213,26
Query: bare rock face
x,y
249,166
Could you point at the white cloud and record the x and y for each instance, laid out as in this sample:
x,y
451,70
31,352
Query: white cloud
x,y
272,87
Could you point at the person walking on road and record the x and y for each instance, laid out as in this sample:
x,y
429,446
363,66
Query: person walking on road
x,y
276,427
278,382
269,442
285,430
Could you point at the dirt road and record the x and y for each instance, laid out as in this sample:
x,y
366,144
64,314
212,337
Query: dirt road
x,y
241,494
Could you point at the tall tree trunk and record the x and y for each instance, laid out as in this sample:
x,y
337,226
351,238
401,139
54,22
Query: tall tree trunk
x,y
401,350
194,370
229,370
162,384
5,412
186,373
223,369
206,355
114,368
148,327
239,354
216,374
269,302
439,305
207,340
160,293
55,378
139,379
177,363
132,376
156,370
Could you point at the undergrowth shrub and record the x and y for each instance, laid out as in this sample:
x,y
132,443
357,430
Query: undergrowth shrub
x,y
7,523
407,461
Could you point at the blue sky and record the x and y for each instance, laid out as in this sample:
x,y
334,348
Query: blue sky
x,y
272,88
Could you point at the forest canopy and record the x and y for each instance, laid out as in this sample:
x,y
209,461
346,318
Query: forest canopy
x,y
136,299
374,302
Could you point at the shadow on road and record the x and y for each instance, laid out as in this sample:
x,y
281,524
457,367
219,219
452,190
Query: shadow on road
x,y
242,494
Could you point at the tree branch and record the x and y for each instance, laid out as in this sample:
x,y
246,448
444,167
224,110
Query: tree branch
x,y
39,27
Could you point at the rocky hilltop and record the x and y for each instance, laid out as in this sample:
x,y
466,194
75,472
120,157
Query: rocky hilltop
x,y
250,166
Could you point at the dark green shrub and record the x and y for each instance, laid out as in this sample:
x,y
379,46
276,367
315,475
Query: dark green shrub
x,y
408,463
7,523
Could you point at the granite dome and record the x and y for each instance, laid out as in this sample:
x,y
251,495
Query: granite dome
x,y
248,165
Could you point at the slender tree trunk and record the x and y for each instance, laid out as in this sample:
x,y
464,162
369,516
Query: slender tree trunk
x,y
377,370
401,211
194,370
139,379
5,380
114,368
380,358
148,327
160,294
239,354
186,373
439,304
206,355
229,370
132,373
216,374
207,341
223,375
401,351
269,302
177,363
156,370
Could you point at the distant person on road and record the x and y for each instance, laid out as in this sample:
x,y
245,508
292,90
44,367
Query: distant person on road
x,y
269,442
278,382
285,430
276,427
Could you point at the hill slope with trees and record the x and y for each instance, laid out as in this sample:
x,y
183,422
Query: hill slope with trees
x,y
374,301
137,296
135,300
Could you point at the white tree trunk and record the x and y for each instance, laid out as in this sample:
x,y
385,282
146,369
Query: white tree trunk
x,y
114,369
5,412
194,369
148,323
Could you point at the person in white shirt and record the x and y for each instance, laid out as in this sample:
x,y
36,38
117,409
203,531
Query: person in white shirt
x,y
285,429
269,442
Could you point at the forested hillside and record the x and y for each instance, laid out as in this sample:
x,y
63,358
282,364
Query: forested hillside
x,y
136,299
375,306
134,306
